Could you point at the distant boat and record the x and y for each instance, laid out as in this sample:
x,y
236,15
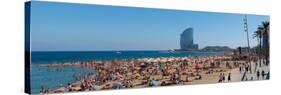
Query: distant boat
x,y
118,52
168,51
171,50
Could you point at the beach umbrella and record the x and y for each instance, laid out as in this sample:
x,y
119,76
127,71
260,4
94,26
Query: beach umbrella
x,y
154,83
162,66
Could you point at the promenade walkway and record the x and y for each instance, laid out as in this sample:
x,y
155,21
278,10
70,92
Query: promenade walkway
x,y
237,75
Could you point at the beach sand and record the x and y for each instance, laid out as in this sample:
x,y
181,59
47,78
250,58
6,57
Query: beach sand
x,y
162,71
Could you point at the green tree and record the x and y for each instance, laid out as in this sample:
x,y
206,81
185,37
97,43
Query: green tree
x,y
262,34
265,35
258,35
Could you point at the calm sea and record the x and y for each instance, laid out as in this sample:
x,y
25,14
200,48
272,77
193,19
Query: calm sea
x,y
75,56
53,77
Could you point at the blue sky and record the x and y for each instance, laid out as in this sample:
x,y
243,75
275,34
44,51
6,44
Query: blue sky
x,y
75,27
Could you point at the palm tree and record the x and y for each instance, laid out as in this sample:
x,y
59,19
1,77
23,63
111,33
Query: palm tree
x,y
258,35
262,34
265,35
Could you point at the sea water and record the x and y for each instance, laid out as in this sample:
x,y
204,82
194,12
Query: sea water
x,y
76,56
54,77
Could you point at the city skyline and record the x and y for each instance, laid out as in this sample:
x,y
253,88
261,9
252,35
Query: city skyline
x,y
75,27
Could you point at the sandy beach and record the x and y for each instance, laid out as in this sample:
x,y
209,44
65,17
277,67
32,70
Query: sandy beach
x,y
151,72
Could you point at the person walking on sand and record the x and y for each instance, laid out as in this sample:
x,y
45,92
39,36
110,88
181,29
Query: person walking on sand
x,y
247,68
258,74
223,77
268,75
220,78
229,77
262,74
240,69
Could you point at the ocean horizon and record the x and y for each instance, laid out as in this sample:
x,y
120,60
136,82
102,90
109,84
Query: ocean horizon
x,y
50,57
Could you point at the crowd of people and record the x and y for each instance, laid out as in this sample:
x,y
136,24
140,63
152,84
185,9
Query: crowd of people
x,y
149,72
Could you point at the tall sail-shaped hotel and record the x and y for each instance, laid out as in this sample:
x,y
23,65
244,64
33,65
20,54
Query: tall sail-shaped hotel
x,y
186,40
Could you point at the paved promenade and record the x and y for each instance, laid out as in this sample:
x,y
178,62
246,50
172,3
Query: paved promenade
x,y
237,75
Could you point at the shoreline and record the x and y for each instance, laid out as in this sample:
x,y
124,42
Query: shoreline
x,y
78,63
55,57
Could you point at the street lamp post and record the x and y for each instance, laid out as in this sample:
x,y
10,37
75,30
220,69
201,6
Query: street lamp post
x,y
246,30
